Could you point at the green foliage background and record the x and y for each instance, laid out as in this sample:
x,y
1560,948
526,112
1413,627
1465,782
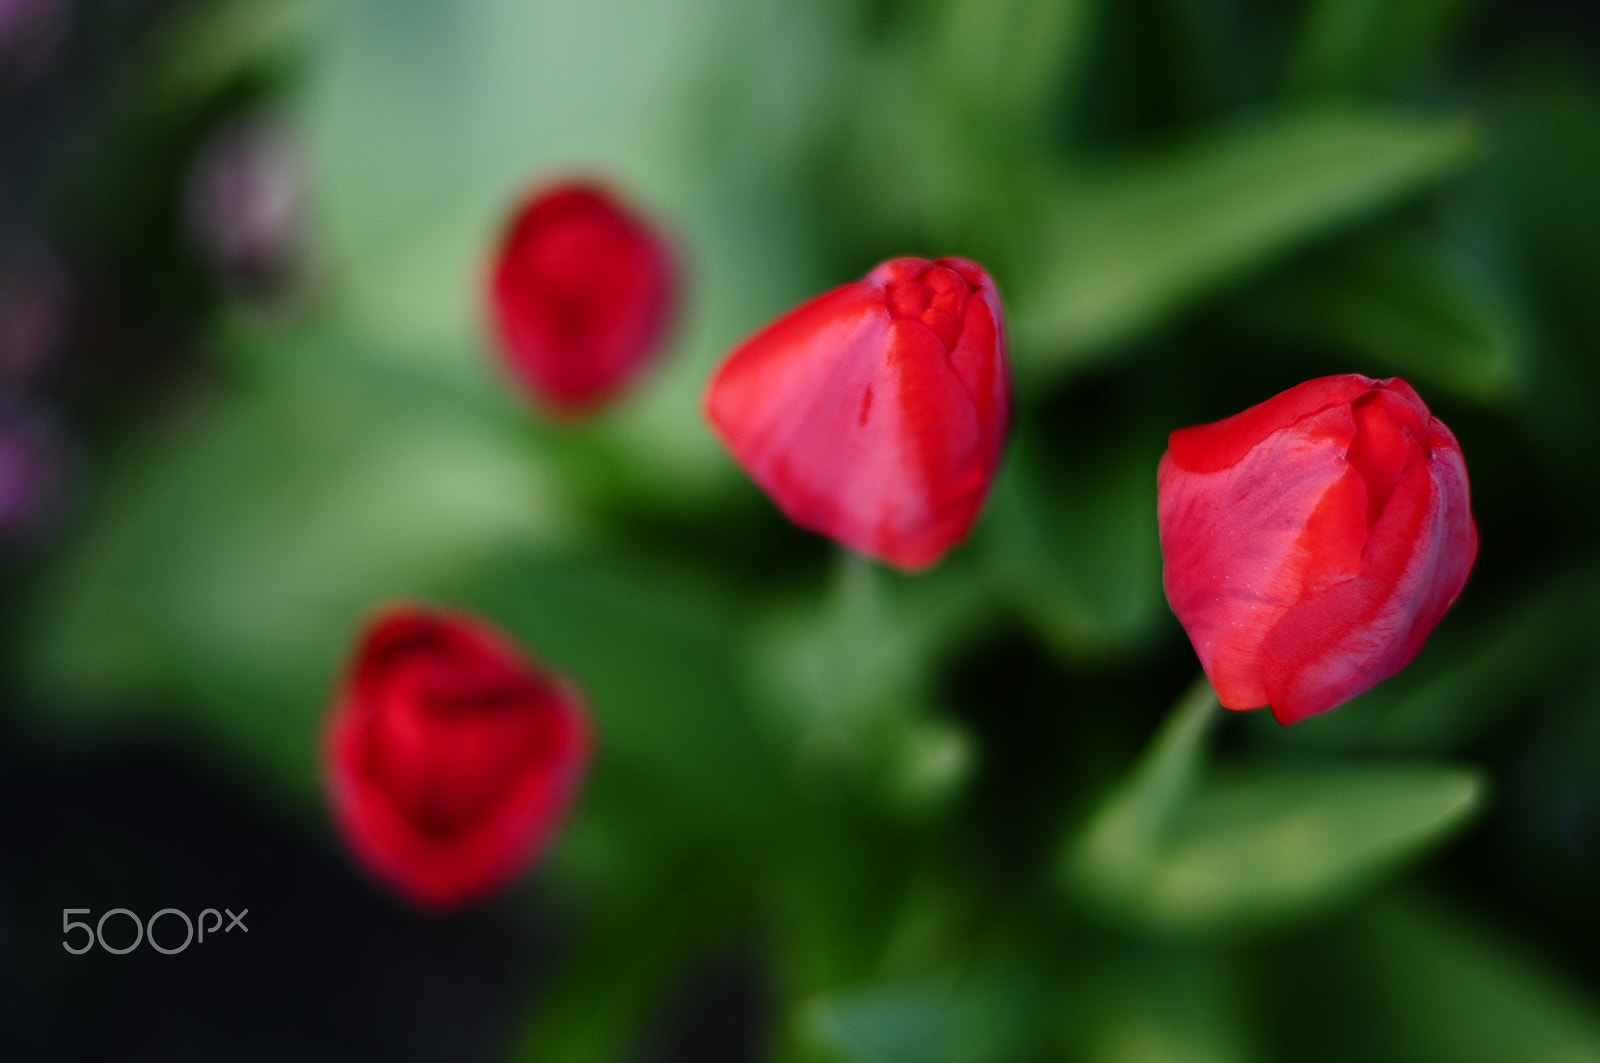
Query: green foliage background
x,y
945,809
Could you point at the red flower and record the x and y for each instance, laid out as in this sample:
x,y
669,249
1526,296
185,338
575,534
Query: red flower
x,y
583,293
876,413
451,757
1312,542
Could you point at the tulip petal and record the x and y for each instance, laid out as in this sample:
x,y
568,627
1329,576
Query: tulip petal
x,y
1312,543
986,377
1244,543
582,295
451,757
1342,642
861,425
1214,447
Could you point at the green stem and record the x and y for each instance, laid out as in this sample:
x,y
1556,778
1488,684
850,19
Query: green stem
x,y
1125,835
1170,770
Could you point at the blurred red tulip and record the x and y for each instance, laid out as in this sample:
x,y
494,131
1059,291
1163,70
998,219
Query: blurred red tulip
x,y
451,757
1312,542
876,413
583,295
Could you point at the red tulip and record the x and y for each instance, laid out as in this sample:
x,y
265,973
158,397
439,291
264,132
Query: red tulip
x,y
1312,542
876,413
451,757
582,295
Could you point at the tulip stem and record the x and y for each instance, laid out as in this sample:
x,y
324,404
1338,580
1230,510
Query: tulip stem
x,y
856,578
1173,763
1125,835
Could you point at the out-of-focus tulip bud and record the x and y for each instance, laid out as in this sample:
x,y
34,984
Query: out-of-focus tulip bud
x,y
1312,542
876,413
582,295
36,472
32,37
35,308
451,757
246,206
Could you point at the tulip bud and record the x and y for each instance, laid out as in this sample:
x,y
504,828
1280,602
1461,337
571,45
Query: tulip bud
x,y
246,205
876,413
33,36
582,296
451,757
1312,542
36,475
36,312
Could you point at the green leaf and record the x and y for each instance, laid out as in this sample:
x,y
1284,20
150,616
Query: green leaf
x,y
620,974
1267,845
1449,990
1404,306
229,573
1355,44
1545,170
1004,59
1255,848
1547,125
848,679
1118,849
890,1024
198,53
989,1015
1158,1005
1132,244
951,115
655,650
1073,546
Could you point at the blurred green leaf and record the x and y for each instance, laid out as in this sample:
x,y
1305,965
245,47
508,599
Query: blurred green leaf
x,y
1157,1005
952,114
1355,44
1404,306
653,647
235,567
948,169
1257,847
1271,844
848,679
1007,60
985,1016
858,897
1118,849
1073,545
1451,991
600,1002
208,45
1541,192
1547,123
1124,248
888,1024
